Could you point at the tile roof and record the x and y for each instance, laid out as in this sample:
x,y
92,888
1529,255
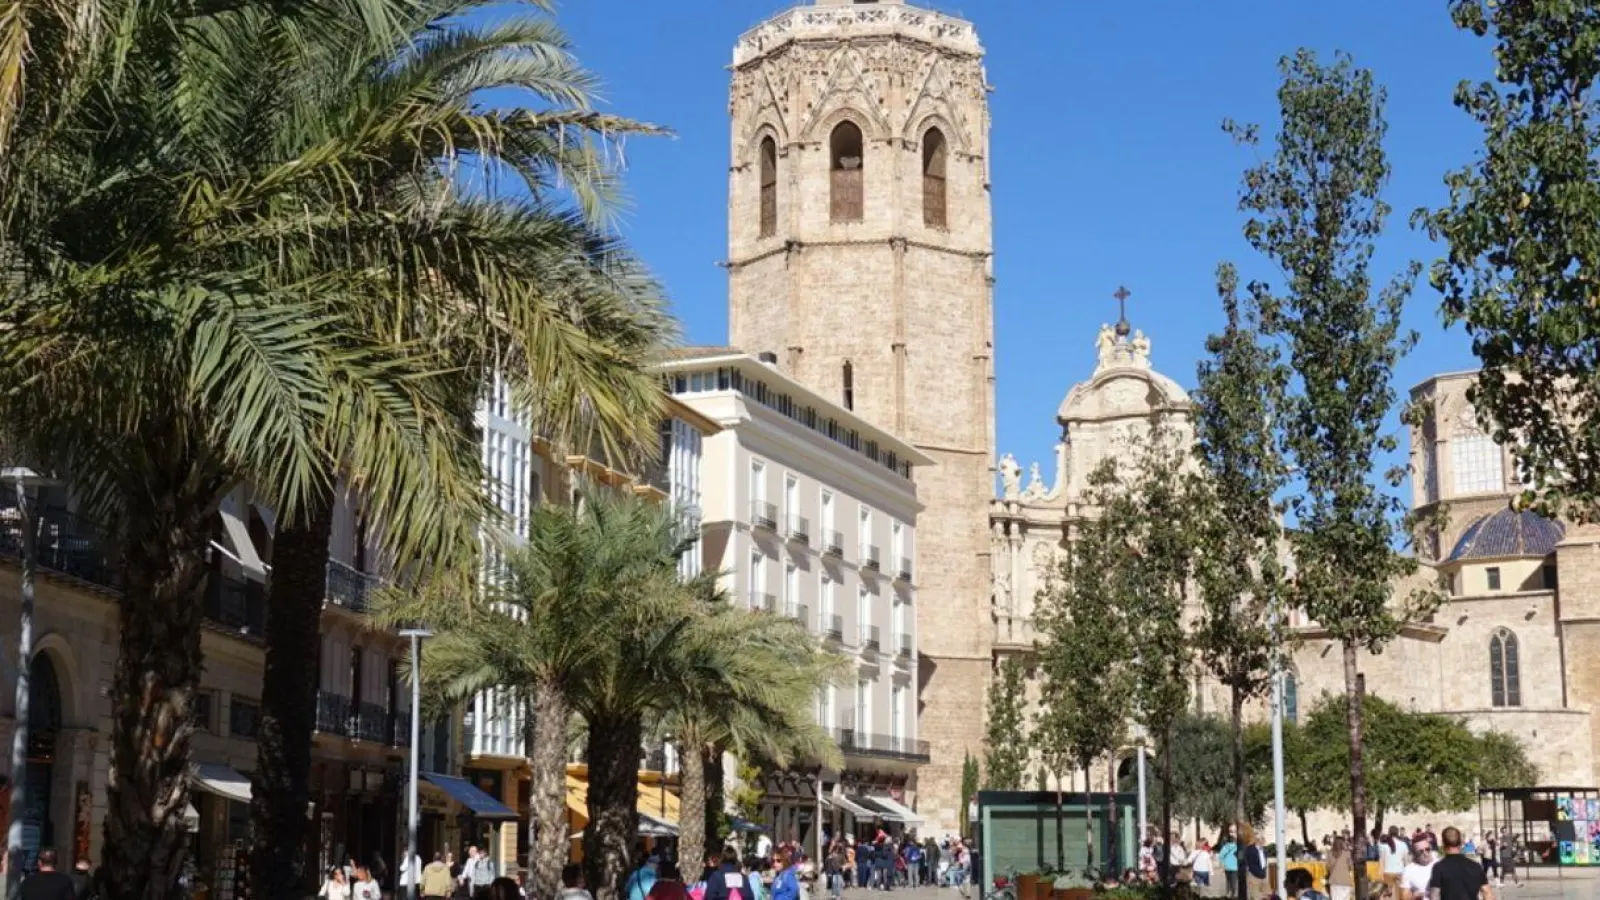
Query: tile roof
x,y
1508,532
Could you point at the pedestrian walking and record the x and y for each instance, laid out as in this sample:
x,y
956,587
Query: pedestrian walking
x,y
46,883
1228,855
1341,870
1255,868
1455,877
436,878
1508,859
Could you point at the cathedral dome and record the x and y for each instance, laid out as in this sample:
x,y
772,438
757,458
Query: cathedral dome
x,y
1508,532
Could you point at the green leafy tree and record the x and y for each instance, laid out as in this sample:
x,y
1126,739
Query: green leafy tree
x,y
1240,576
1523,230
1202,781
1006,743
1085,653
1161,522
1315,210
1415,761
970,779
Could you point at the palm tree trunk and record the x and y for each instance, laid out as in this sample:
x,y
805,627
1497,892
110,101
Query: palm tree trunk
x,y
281,783
1236,722
1358,774
547,757
691,818
156,674
716,800
613,803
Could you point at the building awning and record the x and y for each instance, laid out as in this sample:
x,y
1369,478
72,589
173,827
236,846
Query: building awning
x,y
877,810
906,815
849,805
221,780
472,797
243,547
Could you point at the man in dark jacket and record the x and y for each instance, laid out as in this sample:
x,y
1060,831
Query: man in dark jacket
x,y
728,882
82,880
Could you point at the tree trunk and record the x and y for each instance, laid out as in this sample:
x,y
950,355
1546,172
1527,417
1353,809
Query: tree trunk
x,y
1111,863
1061,849
1354,686
613,803
1236,722
692,805
157,671
1166,811
1305,833
281,784
716,803
547,756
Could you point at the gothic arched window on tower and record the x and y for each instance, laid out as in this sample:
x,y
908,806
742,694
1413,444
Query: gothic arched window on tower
x,y
846,187
933,166
849,386
769,186
1505,679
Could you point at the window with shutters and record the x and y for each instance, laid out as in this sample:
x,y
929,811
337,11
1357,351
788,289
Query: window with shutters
x,y
847,164
769,186
1505,680
933,179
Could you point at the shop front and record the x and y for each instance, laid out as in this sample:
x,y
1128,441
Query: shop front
x,y
220,831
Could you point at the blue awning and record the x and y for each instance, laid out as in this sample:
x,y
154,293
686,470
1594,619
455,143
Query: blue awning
x,y
469,795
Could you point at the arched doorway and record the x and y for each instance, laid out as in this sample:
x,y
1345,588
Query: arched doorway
x,y
44,726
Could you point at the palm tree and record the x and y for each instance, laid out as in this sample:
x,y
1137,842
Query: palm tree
x,y
563,600
752,681
524,289
184,321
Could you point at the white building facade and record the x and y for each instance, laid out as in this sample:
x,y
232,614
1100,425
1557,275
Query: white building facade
x,y
810,512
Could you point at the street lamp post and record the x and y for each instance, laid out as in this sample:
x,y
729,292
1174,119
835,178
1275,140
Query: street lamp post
x,y
1279,814
26,481
415,635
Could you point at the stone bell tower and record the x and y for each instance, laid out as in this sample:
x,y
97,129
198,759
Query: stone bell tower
x,y
859,251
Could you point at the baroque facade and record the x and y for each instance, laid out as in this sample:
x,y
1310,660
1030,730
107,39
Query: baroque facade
x,y
859,253
1515,646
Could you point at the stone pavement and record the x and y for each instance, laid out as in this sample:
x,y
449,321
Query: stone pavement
x,y
1537,884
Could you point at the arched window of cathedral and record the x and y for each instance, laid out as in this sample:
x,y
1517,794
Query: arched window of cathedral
x,y
933,166
769,186
849,385
847,188
1476,459
1505,679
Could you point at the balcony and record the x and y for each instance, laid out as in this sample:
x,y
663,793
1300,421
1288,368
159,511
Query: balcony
x,y
236,604
882,746
903,646
350,588
760,602
333,714
798,529
869,639
399,728
763,515
63,543
904,572
833,544
371,723
869,558
799,612
836,628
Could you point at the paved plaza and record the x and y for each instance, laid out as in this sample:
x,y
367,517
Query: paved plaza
x,y
1544,884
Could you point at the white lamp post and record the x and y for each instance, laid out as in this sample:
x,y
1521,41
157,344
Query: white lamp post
x,y
26,481
415,635
1279,815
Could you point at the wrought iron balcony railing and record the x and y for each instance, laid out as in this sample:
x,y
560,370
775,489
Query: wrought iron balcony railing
x,y
836,628
799,612
333,713
63,543
236,604
798,529
763,515
903,645
862,743
350,588
399,728
869,639
371,723
869,557
761,602
904,573
832,543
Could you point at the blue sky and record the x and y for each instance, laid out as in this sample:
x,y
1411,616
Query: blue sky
x,y
1109,163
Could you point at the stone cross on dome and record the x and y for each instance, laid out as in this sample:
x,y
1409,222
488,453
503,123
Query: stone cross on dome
x,y
1122,295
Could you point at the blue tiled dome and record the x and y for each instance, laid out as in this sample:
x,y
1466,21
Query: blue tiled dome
x,y
1508,533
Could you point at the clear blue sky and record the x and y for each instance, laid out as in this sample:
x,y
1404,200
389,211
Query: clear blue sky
x,y
1109,164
